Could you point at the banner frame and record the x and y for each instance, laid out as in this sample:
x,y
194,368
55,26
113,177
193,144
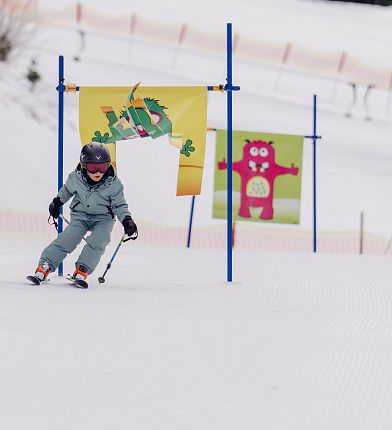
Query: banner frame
x,y
228,88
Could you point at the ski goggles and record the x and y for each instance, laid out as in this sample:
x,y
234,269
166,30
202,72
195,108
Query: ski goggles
x,y
97,167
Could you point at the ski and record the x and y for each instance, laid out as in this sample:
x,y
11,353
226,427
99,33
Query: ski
x,y
75,282
79,283
33,279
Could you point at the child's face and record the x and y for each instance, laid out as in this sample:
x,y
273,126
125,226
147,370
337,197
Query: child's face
x,y
97,176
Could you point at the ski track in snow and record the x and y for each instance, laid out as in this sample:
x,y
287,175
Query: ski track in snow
x,y
155,347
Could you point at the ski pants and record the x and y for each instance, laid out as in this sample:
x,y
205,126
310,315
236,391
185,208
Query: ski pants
x,y
70,238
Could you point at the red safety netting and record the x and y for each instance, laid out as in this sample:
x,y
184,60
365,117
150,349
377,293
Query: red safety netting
x,y
358,72
259,51
154,30
294,57
320,62
205,41
89,18
62,16
21,224
19,7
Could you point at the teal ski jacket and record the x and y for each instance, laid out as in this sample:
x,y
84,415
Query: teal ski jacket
x,y
105,199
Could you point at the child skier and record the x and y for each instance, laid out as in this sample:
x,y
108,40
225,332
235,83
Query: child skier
x,y
98,197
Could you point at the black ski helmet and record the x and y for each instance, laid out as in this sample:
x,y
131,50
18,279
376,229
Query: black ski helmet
x,y
94,152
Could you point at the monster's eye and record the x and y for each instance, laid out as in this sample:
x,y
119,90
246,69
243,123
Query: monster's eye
x,y
156,117
254,151
263,152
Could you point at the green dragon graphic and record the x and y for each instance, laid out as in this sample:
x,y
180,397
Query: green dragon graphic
x,y
139,118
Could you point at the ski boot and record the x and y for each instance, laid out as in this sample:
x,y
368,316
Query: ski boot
x,y
41,274
79,277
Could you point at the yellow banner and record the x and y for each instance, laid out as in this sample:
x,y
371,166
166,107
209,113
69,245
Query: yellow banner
x,y
113,114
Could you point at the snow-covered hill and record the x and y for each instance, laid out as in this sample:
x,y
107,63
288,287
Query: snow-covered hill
x,y
353,156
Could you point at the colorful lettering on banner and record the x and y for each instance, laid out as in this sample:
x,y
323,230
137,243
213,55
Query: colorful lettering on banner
x,y
114,114
266,180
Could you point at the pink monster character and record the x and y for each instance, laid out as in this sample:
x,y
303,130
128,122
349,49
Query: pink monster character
x,y
258,171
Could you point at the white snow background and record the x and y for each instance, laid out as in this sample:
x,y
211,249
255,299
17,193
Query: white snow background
x,y
298,341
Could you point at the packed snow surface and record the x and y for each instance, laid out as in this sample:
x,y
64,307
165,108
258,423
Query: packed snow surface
x,y
297,342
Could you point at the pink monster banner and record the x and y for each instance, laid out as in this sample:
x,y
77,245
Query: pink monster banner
x,y
267,171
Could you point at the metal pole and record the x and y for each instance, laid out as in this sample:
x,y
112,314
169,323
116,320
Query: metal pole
x,y
388,246
361,233
282,65
60,88
188,243
101,279
314,174
180,40
229,155
340,68
132,30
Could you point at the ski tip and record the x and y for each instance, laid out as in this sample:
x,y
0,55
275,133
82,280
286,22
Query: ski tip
x,y
33,279
77,282
80,284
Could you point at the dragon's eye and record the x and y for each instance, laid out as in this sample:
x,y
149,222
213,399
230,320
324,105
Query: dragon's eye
x,y
263,152
254,151
156,117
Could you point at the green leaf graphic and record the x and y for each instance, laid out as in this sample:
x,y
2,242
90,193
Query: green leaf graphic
x,y
187,148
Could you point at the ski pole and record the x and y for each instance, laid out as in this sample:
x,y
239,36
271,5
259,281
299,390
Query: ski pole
x,y
65,219
388,246
101,279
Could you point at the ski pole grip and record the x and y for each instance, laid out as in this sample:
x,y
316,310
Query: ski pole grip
x,y
130,237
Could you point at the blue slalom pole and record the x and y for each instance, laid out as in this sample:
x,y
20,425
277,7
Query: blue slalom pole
x,y
188,243
60,88
314,138
229,155
314,174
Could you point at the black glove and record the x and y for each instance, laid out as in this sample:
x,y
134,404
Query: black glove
x,y
129,226
54,207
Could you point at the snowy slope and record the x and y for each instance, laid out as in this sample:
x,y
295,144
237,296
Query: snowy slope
x,y
164,343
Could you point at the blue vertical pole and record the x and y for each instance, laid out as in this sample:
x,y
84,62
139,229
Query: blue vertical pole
x,y
314,174
60,89
229,155
188,243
